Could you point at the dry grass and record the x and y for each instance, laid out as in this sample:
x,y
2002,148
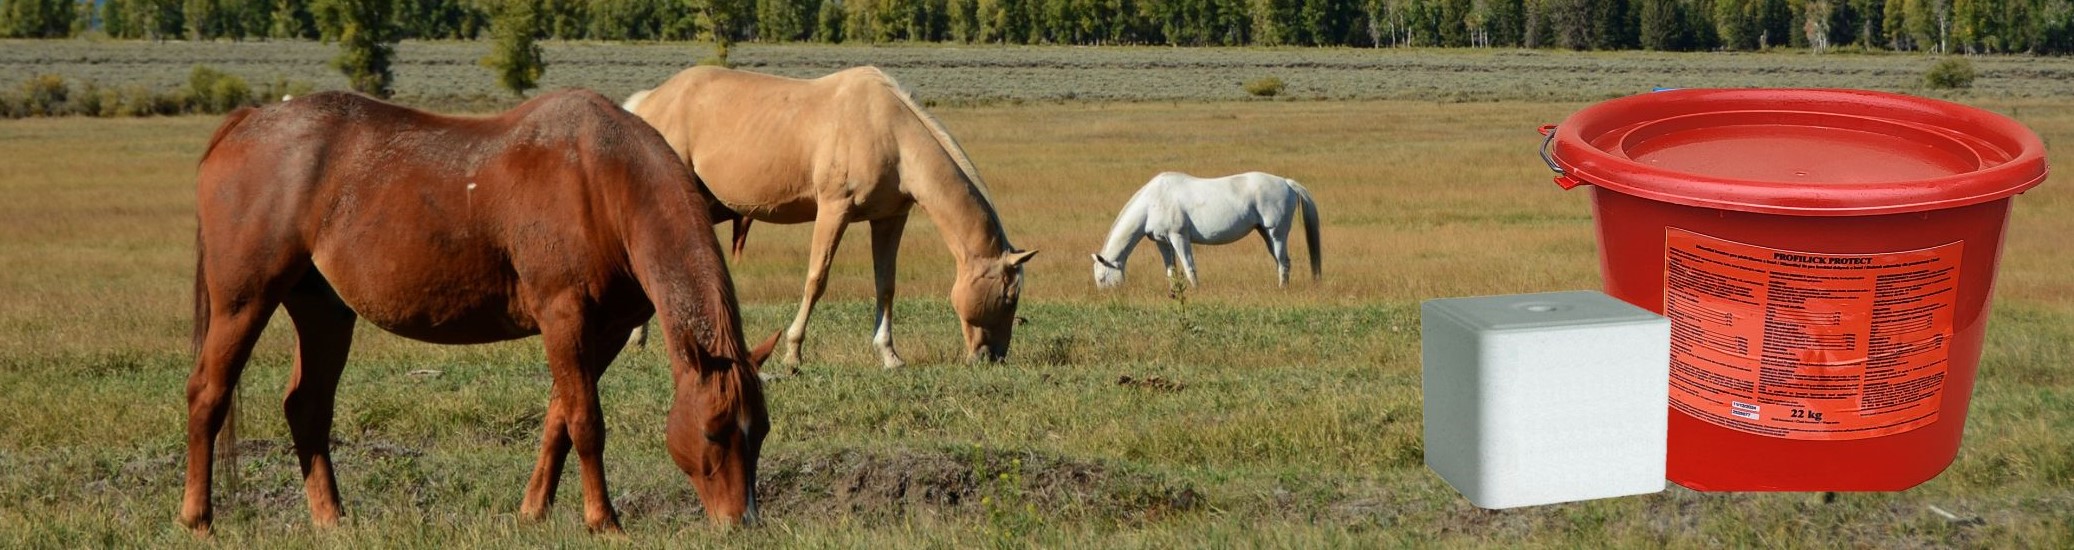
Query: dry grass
x,y
1295,422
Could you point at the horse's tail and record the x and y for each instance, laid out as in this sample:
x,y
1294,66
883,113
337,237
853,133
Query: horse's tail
x,y
201,297
1310,229
227,437
634,101
741,236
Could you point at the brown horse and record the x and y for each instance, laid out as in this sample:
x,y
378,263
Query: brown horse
x,y
836,150
565,217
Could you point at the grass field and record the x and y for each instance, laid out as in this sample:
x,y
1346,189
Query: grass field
x,y
1283,417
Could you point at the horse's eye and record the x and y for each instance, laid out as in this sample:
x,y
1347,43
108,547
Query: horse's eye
x,y
715,437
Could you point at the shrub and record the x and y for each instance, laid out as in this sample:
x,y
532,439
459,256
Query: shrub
x,y
108,103
86,101
44,95
213,91
136,101
1265,87
1950,73
207,91
139,101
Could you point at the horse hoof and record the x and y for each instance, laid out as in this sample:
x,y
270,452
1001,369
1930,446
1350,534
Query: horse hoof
x,y
199,527
532,516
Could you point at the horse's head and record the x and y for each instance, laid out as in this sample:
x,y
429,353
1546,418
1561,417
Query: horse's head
x,y
1107,273
986,295
715,431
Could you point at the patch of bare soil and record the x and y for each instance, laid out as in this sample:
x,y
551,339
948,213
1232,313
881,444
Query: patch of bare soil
x,y
898,481
1154,383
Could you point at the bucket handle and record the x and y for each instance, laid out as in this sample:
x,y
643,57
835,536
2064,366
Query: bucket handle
x,y
1562,178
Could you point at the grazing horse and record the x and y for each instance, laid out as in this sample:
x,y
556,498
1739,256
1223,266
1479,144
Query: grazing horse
x,y
844,148
1176,210
564,217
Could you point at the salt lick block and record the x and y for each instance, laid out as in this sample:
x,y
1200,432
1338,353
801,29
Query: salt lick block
x,y
1544,398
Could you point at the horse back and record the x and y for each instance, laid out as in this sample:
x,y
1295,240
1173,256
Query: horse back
x,y
771,146
433,227
562,146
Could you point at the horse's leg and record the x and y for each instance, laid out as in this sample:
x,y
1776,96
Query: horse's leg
x,y
1183,250
885,250
1166,257
587,432
577,354
828,232
1278,248
555,440
323,334
239,304
547,470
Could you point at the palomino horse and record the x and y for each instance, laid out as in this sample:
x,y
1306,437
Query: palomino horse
x,y
1176,210
565,217
840,149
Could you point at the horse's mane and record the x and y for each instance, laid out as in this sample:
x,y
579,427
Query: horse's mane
x,y
949,144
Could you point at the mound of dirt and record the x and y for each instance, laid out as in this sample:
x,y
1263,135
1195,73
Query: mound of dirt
x,y
897,481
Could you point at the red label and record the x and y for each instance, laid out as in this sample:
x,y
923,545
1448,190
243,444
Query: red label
x,y
1801,345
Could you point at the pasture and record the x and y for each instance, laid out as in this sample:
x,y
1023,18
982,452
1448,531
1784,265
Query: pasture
x,y
1234,414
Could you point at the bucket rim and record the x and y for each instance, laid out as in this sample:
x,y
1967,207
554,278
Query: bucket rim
x,y
2011,157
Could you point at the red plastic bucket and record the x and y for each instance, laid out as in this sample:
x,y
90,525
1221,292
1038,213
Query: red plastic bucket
x,y
1825,258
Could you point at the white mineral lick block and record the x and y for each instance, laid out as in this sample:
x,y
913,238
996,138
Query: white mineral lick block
x,y
1545,398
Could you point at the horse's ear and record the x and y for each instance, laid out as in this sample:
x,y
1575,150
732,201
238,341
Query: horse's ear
x,y
762,352
1018,257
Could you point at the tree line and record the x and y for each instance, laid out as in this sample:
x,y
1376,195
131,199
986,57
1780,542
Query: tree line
x,y
1950,26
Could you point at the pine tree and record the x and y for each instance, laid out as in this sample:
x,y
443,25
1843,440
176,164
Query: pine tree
x,y
36,18
115,19
964,20
291,19
202,19
828,25
1660,25
1869,14
367,43
515,52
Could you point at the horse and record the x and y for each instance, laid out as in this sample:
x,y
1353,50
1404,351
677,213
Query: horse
x,y
844,148
1176,210
563,217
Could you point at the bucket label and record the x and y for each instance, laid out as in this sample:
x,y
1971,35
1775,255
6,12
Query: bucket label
x,y
1802,345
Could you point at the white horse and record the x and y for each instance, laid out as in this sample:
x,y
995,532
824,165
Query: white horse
x,y
1176,210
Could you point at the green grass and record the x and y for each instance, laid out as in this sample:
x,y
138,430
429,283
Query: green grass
x,y
1295,423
